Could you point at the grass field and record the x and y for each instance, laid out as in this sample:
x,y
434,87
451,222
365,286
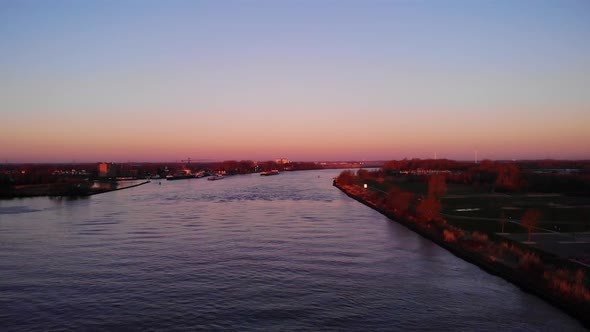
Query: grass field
x,y
562,229
476,208
558,212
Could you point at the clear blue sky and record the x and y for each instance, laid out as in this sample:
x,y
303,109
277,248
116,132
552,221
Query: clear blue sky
x,y
306,80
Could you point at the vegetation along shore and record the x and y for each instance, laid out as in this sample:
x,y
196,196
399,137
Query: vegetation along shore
x,y
486,214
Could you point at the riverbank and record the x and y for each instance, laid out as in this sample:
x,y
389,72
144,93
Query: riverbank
x,y
79,189
102,191
550,281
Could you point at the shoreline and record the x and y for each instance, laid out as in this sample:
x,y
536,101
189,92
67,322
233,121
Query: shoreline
x,y
117,189
518,277
61,190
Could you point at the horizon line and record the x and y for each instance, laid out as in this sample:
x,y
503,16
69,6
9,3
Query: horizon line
x,y
74,162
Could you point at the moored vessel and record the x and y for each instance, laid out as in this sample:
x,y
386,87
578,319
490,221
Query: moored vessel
x,y
181,174
216,177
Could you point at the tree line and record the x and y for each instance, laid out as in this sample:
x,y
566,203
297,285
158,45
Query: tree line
x,y
570,177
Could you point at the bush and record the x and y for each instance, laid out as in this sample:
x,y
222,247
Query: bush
x,y
530,261
568,283
479,237
449,236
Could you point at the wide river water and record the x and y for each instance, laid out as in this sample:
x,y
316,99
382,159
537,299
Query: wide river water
x,y
278,253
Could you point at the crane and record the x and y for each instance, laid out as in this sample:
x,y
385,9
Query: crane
x,y
187,160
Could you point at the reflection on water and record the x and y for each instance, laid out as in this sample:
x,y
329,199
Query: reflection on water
x,y
60,199
104,185
287,252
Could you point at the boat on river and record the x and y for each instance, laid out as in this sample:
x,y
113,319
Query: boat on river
x,y
181,174
216,177
271,172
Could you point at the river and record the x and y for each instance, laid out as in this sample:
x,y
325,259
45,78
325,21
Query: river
x,y
247,253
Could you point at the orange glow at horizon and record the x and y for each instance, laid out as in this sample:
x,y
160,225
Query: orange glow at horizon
x,y
154,144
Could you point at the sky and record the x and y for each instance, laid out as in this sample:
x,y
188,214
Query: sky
x,y
89,81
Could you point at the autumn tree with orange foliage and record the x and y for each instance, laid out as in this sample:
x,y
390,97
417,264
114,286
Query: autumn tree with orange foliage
x,y
437,186
509,178
430,207
530,219
399,201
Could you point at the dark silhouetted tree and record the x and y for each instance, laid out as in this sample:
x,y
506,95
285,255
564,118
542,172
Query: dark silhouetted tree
x,y
346,178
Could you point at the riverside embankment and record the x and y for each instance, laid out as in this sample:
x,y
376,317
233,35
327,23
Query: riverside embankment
x,y
542,279
65,189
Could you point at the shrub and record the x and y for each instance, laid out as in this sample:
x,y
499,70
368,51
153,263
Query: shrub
x,y
449,236
479,237
529,261
568,283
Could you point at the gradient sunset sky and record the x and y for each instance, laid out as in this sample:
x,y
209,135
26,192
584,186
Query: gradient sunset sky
x,y
305,80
